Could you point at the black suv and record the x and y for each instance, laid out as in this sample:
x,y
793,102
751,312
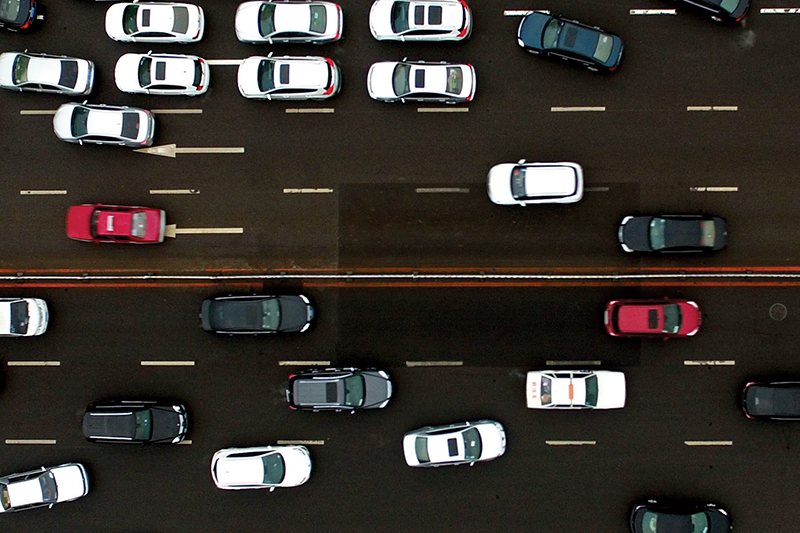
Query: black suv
x,y
135,422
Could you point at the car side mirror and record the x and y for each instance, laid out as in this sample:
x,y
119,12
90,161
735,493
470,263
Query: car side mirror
x,y
272,489
472,463
80,141
50,506
353,412
270,54
521,161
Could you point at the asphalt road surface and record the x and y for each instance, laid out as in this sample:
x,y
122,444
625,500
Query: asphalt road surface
x,y
401,188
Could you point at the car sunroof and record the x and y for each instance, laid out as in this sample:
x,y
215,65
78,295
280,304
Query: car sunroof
x,y
435,15
161,70
419,78
284,74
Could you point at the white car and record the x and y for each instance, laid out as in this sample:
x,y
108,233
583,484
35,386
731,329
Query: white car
x,y
104,124
261,467
288,78
162,74
43,488
155,22
421,20
455,444
43,73
23,317
288,21
575,389
535,183
419,81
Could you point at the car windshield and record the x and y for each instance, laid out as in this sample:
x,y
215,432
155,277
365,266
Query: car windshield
x,y
129,19
400,17
19,318
545,393
472,444
455,80
657,233
49,491
708,233
21,69
130,125
658,522
5,500
400,79
604,45
144,71
421,447
79,118
319,19
9,9
591,391
144,425
138,224
354,391
550,35
729,5
672,318
266,75
274,468
266,19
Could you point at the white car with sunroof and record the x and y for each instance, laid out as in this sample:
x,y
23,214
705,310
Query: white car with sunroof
x,y
420,20
421,81
23,317
43,488
162,74
43,73
288,21
288,78
155,22
524,183
575,389
455,444
262,467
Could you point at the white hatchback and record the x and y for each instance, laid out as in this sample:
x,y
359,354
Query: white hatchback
x,y
43,488
288,21
575,389
420,20
155,22
420,81
524,183
455,444
261,467
23,317
104,124
162,74
288,78
43,73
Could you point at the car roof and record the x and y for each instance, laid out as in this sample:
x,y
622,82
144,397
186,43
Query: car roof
x,y
578,38
26,492
241,470
446,448
549,180
435,15
301,73
290,17
106,122
641,318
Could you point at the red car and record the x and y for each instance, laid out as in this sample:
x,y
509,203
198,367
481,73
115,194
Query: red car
x,y
116,223
652,318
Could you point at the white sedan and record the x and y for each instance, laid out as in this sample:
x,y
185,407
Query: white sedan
x,y
288,78
155,22
261,467
43,488
455,444
288,21
575,389
23,317
22,71
104,124
421,20
535,183
162,74
420,81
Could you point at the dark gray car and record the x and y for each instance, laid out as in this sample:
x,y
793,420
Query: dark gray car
x,y
339,389
135,422
256,314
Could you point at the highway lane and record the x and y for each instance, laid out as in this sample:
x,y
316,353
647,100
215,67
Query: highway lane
x,y
235,395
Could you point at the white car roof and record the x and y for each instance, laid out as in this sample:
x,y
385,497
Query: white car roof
x,y
292,17
439,449
303,73
44,70
178,70
25,493
452,15
235,471
549,180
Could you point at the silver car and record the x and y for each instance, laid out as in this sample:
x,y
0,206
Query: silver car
x,y
104,124
43,73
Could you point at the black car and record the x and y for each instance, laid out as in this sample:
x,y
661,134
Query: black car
x,y
256,314
561,38
778,400
721,10
17,15
673,233
135,422
339,389
653,516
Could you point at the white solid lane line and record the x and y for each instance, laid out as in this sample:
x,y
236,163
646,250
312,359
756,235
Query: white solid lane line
x,y
304,363
780,10
171,232
412,364
30,441
709,363
713,189
167,363
309,110
570,442
307,191
34,363
41,192
302,442
37,112
424,190
653,12
174,191
712,108
442,110
557,109
520,12
177,111
708,442
574,363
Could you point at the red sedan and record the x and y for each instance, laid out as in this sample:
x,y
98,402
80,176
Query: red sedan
x,y
116,223
652,318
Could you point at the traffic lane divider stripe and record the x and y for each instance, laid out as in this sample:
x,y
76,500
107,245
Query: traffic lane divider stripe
x,y
557,109
653,12
309,110
41,192
709,363
174,191
177,111
573,363
708,442
570,442
30,441
304,363
442,110
713,189
167,363
412,364
423,190
185,441
779,10
37,112
301,442
307,191
712,108
34,363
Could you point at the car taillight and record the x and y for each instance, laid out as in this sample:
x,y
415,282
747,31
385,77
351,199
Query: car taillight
x,y
339,31
612,69
290,377
329,61
463,31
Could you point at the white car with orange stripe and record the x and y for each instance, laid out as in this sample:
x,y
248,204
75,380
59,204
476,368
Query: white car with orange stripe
x,y
575,389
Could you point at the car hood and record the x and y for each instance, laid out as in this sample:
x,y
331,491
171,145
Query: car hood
x,y
498,184
379,80
636,234
377,388
126,72
533,387
7,68
409,450
531,29
493,441
247,75
71,482
62,121
78,221
246,23
167,424
380,18
721,228
294,313
298,466
611,390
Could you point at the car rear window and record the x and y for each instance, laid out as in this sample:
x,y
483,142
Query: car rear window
x,y
319,19
729,5
69,73
591,391
19,318
180,23
266,19
274,468
130,125
21,69
198,73
455,80
604,46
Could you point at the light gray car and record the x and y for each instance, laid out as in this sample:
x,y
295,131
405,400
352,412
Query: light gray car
x,y
339,389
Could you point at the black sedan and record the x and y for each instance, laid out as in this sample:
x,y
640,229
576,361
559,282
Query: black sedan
x,y
18,15
135,422
653,516
778,400
339,389
256,314
721,10
673,233
561,38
